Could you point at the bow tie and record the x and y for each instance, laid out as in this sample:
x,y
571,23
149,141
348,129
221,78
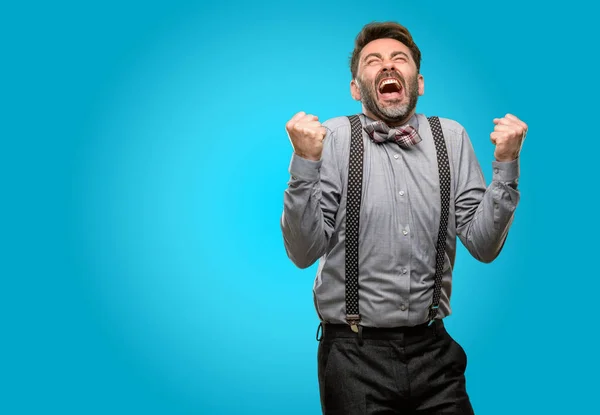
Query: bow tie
x,y
405,136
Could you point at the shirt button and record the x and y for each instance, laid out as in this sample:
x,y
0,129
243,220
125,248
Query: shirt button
x,y
403,307
404,270
405,232
396,156
401,192
496,170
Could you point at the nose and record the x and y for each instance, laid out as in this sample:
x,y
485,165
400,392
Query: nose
x,y
388,65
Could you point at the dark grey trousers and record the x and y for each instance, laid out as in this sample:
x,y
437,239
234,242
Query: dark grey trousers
x,y
412,370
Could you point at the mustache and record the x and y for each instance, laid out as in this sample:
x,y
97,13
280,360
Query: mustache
x,y
394,75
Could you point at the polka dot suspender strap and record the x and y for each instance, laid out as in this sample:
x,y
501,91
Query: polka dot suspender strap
x,y
353,199
444,177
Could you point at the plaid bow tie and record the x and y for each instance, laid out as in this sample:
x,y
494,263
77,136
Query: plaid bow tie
x,y
405,135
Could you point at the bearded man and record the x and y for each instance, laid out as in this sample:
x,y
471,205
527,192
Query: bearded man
x,y
379,199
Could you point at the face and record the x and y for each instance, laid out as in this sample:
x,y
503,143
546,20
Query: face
x,y
387,81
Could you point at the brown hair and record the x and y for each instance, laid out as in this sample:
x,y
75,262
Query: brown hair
x,y
384,30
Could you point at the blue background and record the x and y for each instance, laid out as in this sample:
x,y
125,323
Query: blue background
x,y
144,160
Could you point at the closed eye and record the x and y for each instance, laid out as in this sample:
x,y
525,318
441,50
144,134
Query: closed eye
x,y
400,56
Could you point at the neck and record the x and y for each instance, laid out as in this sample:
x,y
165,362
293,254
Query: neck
x,y
390,123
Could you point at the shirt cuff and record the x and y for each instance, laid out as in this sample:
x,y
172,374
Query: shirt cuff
x,y
301,168
506,171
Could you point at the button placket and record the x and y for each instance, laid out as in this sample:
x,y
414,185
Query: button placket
x,y
404,239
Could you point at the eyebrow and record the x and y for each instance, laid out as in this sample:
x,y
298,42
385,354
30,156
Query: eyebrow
x,y
378,55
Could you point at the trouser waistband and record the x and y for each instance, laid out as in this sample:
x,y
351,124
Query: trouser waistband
x,y
331,331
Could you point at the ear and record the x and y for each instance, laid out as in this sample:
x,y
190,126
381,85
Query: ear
x,y
421,82
354,90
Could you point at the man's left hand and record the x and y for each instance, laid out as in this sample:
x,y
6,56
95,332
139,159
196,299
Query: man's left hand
x,y
508,136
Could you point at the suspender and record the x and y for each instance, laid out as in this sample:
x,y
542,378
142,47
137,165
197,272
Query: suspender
x,y
444,177
355,172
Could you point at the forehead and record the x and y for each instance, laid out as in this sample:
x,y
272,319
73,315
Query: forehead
x,y
384,47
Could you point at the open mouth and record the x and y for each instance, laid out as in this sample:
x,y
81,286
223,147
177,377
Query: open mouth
x,y
390,88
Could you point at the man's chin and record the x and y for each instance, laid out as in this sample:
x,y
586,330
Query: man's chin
x,y
393,111
397,103
394,105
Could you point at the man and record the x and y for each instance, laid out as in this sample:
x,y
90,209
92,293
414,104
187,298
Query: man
x,y
381,210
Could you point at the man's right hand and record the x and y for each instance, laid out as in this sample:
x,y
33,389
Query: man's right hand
x,y
306,135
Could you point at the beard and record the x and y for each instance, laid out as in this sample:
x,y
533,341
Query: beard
x,y
394,112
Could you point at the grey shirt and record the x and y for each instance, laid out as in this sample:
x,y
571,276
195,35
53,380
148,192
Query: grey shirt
x,y
399,220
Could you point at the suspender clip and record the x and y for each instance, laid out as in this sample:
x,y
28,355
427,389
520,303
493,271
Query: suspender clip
x,y
353,320
433,314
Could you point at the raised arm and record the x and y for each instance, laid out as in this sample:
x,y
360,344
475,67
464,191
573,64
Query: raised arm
x,y
312,198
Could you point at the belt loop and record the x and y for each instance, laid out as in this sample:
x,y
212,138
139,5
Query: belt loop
x,y
437,326
360,337
320,332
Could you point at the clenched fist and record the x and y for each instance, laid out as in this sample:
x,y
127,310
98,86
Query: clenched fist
x,y
508,136
306,135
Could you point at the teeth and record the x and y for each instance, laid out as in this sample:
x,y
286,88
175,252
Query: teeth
x,y
387,82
